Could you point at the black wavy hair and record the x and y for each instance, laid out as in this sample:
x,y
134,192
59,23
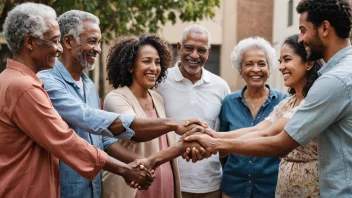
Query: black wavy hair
x,y
337,12
122,57
312,74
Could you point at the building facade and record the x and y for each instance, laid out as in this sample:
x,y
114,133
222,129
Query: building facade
x,y
234,20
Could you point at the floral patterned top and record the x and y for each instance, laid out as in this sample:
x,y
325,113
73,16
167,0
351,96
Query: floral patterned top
x,y
298,172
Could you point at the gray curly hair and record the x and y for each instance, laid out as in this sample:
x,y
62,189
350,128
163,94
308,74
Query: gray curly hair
x,y
250,43
71,21
195,28
24,19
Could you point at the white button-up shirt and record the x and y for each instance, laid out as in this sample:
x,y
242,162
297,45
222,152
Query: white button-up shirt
x,y
185,100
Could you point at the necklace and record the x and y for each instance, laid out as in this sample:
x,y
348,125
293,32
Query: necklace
x,y
253,105
146,104
145,107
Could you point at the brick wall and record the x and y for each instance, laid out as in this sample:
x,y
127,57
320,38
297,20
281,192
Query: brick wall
x,y
255,18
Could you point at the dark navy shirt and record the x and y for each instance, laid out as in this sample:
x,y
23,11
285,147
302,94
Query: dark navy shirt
x,y
248,176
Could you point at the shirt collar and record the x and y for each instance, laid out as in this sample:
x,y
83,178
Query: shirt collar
x,y
65,74
179,77
335,59
272,93
12,64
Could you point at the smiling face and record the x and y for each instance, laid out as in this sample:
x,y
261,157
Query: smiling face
x,y
88,46
194,51
46,50
293,68
147,67
254,67
310,38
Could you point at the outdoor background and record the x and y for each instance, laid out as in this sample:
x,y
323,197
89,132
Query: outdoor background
x,y
228,21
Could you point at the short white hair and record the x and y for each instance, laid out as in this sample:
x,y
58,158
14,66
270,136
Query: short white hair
x,y
26,18
248,44
195,28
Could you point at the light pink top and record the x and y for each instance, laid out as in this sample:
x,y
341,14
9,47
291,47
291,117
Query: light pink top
x,y
163,185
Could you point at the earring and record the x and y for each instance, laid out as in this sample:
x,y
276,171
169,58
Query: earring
x,y
30,49
309,69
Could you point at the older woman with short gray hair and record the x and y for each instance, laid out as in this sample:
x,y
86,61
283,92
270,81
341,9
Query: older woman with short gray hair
x,y
247,176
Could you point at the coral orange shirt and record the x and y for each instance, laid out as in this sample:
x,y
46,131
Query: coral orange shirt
x,y
33,138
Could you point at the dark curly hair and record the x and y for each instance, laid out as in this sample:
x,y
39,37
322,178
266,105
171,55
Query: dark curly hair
x,y
122,57
337,12
312,74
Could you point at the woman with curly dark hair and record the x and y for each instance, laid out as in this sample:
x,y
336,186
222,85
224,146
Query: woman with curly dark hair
x,y
134,66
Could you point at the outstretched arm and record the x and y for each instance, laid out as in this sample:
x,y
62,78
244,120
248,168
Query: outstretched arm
x,y
273,146
239,132
157,159
274,129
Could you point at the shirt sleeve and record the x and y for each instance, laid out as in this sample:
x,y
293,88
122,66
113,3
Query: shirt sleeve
x,y
36,117
327,102
79,114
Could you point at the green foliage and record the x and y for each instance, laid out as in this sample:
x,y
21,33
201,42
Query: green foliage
x,y
119,17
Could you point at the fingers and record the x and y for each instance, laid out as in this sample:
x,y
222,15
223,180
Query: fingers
x,y
207,154
191,138
135,163
196,121
133,184
153,174
197,154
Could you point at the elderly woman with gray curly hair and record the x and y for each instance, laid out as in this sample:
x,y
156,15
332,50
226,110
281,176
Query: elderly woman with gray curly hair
x,y
248,176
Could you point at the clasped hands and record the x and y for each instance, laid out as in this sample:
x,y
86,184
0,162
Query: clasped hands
x,y
193,145
202,144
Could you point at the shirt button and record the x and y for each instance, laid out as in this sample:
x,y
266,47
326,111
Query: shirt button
x,y
250,181
249,175
250,161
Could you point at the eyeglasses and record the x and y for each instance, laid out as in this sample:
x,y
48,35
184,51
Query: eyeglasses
x,y
200,50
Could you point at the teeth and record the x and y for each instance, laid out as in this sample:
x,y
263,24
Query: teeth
x,y
255,77
287,75
193,62
150,75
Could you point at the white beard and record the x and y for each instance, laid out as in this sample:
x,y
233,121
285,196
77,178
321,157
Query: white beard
x,y
84,63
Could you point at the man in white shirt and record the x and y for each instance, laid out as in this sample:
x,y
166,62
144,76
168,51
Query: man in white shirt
x,y
191,91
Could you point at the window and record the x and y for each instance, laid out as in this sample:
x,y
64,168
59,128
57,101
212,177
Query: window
x,y
290,13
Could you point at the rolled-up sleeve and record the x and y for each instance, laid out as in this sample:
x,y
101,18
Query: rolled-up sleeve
x,y
79,114
35,116
326,103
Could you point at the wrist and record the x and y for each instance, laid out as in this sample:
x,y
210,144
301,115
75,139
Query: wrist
x,y
219,146
153,161
218,135
175,124
123,171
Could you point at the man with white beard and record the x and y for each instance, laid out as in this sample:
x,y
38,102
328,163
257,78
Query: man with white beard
x,y
191,91
75,98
